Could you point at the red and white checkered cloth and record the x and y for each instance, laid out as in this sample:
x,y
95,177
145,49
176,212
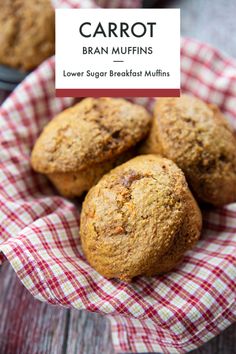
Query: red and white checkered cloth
x,y
39,230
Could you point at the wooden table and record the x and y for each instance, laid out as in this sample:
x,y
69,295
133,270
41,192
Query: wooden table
x,y
28,326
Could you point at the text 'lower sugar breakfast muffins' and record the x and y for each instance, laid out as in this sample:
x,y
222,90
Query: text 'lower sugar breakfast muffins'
x,y
26,32
139,219
197,137
85,141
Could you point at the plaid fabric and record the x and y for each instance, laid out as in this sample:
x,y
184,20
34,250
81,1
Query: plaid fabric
x,y
39,230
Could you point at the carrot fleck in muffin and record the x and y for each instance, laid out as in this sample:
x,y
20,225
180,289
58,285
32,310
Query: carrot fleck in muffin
x,y
139,219
197,137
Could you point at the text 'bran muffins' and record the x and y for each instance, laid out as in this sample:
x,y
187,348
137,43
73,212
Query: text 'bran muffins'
x,y
198,139
139,219
26,32
83,142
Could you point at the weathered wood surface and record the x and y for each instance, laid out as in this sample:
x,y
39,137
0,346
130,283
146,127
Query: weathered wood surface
x,y
28,326
210,21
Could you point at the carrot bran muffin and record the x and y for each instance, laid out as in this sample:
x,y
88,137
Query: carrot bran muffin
x,y
26,32
196,136
85,141
139,219
71,184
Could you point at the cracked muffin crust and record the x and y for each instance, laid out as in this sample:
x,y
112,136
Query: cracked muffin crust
x,y
83,142
26,32
197,137
139,219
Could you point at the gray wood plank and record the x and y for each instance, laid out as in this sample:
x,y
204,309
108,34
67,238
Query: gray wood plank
x,y
207,20
225,343
28,326
89,333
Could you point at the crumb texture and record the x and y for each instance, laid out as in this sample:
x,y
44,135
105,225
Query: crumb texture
x,y
91,132
26,32
197,137
139,219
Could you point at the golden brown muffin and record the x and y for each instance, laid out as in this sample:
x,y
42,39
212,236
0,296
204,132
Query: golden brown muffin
x,y
71,184
26,32
139,219
85,141
196,136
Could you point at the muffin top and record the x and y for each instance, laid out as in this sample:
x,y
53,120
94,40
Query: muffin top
x,y
26,32
189,129
92,131
197,137
132,217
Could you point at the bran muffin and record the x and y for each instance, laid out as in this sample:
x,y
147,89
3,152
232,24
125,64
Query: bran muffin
x,y
26,32
139,219
85,141
197,137
71,184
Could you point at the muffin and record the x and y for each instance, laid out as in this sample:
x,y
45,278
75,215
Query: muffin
x,y
197,137
85,141
26,32
139,219
71,184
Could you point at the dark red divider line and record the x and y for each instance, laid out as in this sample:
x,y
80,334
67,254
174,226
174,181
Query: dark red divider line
x,y
118,92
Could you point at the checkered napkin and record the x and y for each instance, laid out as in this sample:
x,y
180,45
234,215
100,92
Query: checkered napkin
x,y
39,230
